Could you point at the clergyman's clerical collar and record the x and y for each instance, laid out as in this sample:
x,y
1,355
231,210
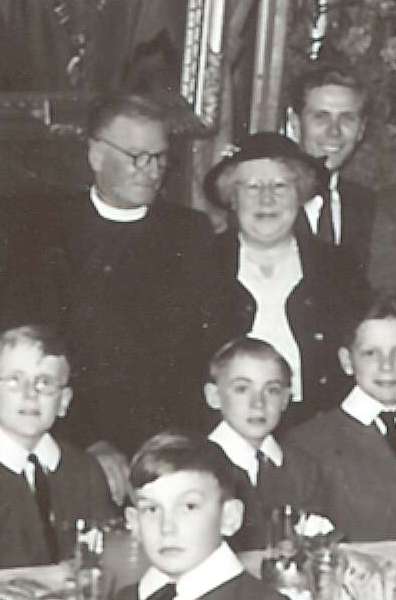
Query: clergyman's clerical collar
x,y
111,213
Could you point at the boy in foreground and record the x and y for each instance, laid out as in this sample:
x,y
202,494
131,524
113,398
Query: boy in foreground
x,y
185,504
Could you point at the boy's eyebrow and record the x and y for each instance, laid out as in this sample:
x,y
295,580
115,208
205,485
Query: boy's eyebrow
x,y
248,380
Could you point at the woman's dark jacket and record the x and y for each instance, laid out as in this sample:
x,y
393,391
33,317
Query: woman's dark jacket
x,y
330,285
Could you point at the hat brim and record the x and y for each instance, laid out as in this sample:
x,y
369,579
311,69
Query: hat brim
x,y
264,145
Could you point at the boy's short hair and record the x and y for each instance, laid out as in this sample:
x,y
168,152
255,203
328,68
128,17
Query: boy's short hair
x,y
106,108
327,73
378,304
247,346
169,452
50,343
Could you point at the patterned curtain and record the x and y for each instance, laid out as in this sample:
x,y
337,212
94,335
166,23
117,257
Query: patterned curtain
x,y
57,45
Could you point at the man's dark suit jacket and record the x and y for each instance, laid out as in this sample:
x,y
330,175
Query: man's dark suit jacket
x,y
131,298
330,283
382,263
358,206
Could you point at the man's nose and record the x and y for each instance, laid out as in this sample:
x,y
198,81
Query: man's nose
x,y
334,128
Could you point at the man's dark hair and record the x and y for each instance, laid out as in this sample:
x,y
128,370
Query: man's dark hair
x,y
247,346
320,74
105,109
170,452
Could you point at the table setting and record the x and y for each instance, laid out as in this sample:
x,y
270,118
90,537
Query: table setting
x,y
304,558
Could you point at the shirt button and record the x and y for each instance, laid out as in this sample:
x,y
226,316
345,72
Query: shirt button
x,y
323,380
318,336
107,269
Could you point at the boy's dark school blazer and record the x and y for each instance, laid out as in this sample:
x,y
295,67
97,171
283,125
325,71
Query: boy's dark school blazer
x,y
242,587
359,472
297,482
78,490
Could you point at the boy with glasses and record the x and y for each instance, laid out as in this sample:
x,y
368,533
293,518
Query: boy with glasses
x,y
45,485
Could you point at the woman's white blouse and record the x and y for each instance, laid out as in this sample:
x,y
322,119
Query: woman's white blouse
x,y
270,291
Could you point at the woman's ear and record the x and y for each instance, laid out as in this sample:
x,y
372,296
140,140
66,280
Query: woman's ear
x,y
232,517
212,395
344,356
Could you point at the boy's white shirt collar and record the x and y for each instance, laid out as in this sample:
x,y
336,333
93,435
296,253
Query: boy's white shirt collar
x,y
218,568
112,213
241,453
14,457
364,408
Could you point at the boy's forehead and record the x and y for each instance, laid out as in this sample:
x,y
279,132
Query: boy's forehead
x,y
23,355
380,331
252,367
178,483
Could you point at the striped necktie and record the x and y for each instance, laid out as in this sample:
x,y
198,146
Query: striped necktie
x,y
43,499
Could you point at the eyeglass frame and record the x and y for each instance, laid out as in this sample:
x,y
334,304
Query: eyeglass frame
x,y
135,156
21,381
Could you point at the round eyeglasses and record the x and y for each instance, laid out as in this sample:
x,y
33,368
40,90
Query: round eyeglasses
x,y
42,384
141,160
277,189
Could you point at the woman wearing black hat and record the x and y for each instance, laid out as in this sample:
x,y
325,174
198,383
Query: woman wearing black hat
x,y
287,288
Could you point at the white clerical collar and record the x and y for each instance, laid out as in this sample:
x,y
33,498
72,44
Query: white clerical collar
x,y
218,568
111,213
363,408
243,454
14,457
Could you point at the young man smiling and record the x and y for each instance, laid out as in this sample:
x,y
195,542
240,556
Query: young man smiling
x,y
330,106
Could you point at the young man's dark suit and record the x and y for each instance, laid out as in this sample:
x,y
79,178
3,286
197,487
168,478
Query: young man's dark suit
x,y
131,298
330,280
358,206
242,587
359,470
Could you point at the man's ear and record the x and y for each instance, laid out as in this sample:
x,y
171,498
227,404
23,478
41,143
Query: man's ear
x,y
67,395
132,522
232,517
95,155
293,125
345,359
212,395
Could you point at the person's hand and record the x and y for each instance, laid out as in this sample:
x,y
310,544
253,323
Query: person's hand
x,y
115,467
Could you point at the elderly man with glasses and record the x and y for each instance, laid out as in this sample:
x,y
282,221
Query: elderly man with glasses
x,y
134,273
